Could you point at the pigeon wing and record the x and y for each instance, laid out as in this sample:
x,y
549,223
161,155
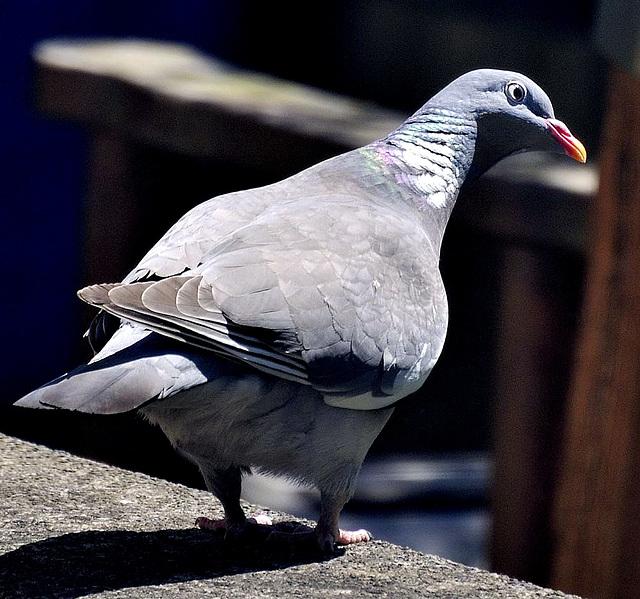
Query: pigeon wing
x,y
337,293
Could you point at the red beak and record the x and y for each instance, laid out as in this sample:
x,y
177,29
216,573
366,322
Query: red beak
x,y
571,145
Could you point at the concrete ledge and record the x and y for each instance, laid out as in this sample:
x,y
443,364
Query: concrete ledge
x,y
74,528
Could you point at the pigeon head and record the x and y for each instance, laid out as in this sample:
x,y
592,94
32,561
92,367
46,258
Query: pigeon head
x,y
512,114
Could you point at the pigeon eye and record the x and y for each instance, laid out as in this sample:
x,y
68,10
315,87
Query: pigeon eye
x,y
516,92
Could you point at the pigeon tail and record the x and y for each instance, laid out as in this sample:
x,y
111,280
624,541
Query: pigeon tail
x,y
98,391
122,377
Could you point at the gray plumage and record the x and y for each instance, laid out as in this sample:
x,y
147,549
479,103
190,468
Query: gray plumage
x,y
274,328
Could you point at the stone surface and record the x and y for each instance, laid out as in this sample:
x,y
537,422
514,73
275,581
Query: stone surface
x,y
76,528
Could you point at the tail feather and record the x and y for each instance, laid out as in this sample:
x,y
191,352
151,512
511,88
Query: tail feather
x,y
110,390
135,367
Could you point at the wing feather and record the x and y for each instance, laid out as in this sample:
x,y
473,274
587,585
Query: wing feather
x,y
153,305
336,292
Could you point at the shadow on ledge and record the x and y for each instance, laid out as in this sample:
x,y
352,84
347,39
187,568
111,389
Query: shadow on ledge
x,y
76,564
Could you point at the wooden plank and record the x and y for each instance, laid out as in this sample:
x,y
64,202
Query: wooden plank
x,y
173,97
598,491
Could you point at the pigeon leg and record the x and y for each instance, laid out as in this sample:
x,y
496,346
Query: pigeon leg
x,y
224,524
327,531
226,485
326,534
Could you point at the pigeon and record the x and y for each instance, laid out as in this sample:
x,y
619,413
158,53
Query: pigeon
x,y
273,329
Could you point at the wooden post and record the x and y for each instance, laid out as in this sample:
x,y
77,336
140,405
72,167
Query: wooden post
x,y
598,496
534,333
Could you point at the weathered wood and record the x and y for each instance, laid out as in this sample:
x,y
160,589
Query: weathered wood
x,y
173,97
598,493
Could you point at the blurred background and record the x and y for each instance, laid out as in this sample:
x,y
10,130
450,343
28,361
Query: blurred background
x,y
469,466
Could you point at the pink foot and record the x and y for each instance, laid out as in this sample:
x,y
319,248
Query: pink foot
x,y
327,542
351,537
223,524
208,524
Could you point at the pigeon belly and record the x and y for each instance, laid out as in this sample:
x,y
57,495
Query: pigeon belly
x,y
256,421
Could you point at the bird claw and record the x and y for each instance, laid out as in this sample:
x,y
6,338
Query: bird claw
x,y
285,533
204,523
328,543
261,519
324,540
223,524
351,537
252,528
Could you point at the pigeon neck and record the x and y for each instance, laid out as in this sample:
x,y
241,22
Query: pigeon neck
x,y
434,151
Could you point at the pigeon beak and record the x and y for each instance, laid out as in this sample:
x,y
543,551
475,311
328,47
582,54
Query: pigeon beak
x,y
571,145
